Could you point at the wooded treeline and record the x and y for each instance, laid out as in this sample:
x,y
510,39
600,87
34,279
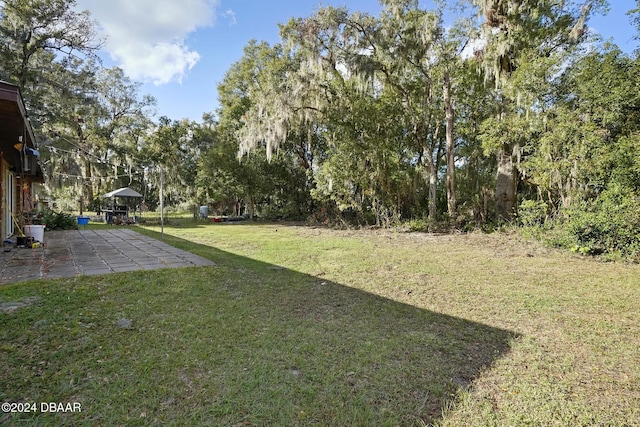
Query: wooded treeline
x,y
514,112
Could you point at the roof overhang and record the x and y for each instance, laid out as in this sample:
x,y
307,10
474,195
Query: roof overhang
x,y
15,129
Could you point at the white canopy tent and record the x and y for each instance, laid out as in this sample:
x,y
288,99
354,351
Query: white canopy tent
x,y
116,214
122,192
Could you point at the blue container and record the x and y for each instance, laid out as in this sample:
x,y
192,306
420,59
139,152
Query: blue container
x,y
83,220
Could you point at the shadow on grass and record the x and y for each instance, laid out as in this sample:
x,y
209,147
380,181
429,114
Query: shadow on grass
x,y
242,343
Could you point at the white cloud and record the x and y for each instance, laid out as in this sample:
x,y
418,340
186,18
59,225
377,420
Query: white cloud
x,y
231,16
147,37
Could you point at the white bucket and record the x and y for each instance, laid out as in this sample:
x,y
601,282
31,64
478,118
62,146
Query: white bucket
x,y
35,231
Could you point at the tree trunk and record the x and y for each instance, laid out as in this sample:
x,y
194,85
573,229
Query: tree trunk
x,y
87,184
251,208
24,66
505,184
433,188
88,181
432,167
450,147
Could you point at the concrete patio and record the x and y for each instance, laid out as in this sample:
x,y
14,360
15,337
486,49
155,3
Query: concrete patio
x,y
88,252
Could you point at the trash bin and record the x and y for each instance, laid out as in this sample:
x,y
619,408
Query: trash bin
x,y
204,211
35,231
83,220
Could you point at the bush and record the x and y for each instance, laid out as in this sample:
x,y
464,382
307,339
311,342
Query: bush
x,y
417,225
58,220
609,224
532,213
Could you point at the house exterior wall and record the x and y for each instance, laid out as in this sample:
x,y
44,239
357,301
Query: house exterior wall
x,y
18,200
3,212
7,199
17,143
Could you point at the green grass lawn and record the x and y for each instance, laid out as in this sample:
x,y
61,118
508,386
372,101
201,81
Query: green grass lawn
x,y
310,326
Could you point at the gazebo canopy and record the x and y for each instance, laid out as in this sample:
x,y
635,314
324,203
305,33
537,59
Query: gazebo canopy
x,y
122,192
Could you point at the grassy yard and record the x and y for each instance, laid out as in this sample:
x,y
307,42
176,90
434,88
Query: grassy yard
x,y
310,326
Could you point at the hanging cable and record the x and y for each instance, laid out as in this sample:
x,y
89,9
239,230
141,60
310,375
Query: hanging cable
x,y
66,175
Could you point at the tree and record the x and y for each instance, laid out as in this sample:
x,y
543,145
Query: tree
x,y
278,115
38,34
476,171
100,121
351,56
635,18
89,118
250,162
515,30
588,138
171,152
451,59
406,53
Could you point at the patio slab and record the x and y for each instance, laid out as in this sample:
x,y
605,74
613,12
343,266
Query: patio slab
x,y
88,252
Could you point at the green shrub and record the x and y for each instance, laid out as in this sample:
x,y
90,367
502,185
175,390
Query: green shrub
x,y
58,220
609,224
532,213
417,225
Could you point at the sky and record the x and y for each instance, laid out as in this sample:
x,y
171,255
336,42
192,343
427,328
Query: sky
x,y
181,50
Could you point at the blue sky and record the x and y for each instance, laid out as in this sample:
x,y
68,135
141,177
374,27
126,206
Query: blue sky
x,y
181,50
